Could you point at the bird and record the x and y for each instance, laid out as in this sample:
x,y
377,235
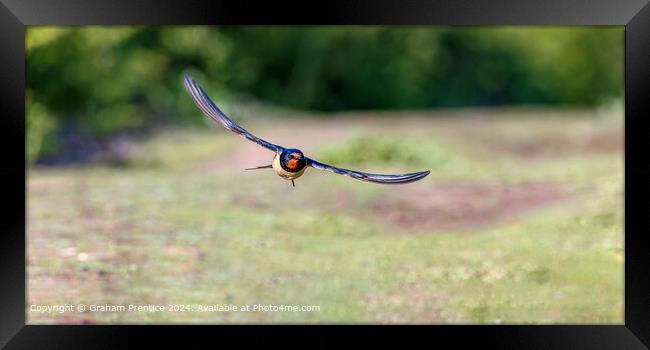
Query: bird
x,y
288,163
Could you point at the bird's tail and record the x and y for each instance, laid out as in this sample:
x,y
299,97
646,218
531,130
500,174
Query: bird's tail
x,y
261,167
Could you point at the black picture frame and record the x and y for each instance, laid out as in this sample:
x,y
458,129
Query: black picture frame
x,y
15,15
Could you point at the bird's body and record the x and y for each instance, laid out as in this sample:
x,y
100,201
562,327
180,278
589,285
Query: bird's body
x,y
288,168
288,163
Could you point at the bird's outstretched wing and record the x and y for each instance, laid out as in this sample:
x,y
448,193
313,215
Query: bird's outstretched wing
x,y
376,178
210,109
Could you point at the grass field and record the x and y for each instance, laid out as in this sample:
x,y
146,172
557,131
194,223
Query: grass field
x,y
520,221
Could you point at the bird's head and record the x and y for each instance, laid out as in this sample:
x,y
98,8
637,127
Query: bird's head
x,y
292,160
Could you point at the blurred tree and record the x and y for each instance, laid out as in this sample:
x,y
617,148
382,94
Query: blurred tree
x,y
106,79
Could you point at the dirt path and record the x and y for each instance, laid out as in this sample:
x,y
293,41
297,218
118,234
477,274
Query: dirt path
x,y
305,135
456,206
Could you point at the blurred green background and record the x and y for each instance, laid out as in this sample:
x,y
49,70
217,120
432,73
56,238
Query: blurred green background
x,y
134,197
102,80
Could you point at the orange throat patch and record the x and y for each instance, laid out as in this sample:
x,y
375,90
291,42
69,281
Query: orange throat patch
x,y
292,164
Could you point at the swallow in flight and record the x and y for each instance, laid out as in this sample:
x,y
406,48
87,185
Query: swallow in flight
x,y
288,163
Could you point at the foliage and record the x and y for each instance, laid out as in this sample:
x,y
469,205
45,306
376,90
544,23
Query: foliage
x,y
383,149
109,79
